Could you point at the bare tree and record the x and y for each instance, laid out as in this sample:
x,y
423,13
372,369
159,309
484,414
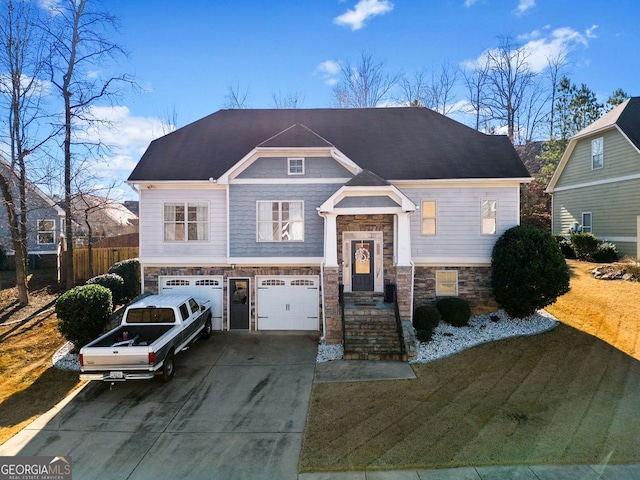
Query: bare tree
x,y
365,84
80,41
476,82
236,98
442,86
509,80
555,66
290,100
415,90
21,91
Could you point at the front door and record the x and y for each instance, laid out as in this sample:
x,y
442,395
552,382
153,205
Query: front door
x,y
239,304
362,265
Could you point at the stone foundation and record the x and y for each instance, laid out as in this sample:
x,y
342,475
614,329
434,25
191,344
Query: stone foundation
x,y
474,285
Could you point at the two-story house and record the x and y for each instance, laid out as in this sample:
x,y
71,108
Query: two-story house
x,y
596,187
45,222
273,213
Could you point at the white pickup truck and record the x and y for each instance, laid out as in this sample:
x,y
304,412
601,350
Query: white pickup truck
x,y
153,330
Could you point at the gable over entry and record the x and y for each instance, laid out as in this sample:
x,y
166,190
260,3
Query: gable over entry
x,y
368,194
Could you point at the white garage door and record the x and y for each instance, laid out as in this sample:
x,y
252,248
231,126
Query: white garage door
x,y
208,288
287,303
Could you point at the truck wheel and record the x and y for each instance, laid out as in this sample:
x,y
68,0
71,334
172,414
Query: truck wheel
x,y
168,367
206,331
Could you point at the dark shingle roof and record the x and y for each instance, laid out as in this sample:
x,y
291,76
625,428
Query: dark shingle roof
x,y
394,143
629,121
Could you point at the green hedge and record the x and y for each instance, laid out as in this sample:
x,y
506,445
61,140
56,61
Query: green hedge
x,y
455,311
113,282
129,270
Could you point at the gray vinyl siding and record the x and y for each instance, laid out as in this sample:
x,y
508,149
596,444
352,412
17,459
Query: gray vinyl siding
x,y
614,208
364,202
151,216
619,159
459,218
278,167
242,219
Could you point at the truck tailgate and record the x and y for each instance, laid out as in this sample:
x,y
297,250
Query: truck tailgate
x,y
116,358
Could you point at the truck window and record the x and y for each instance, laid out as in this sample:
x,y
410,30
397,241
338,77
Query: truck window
x,y
184,311
194,305
151,315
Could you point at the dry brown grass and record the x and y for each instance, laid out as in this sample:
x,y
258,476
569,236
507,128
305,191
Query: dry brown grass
x,y
557,398
29,385
607,309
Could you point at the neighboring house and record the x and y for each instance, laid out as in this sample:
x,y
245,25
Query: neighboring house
x,y
596,187
274,212
45,222
106,217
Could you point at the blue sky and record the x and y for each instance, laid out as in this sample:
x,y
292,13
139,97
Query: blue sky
x,y
186,54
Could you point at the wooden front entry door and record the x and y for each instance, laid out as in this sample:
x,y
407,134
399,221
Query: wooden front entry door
x,y
362,265
239,304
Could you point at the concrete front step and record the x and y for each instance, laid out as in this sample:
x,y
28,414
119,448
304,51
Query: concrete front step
x,y
380,356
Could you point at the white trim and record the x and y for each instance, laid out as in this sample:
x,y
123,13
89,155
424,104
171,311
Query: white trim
x,y
289,261
463,182
404,203
606,181
618,239
593,140
280,202
161,261
422,218
186,222
582,221
495,218
177,261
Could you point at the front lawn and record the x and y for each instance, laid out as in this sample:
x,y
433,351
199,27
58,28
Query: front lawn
x,y
562,397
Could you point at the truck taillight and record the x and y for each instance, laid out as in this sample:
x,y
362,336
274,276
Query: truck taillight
x,y
81,359
152,358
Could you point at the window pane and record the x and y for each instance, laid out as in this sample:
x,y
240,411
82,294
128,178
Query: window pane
x,y
429,226
489,222
174,231
428,209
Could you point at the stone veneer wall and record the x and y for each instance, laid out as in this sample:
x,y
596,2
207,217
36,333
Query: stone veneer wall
x,y
368,223
474,285
332,313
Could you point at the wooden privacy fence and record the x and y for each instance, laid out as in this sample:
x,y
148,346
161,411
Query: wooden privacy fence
x,y
103,259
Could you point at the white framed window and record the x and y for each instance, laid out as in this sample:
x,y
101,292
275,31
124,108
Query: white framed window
x,y
46,232
587,225
428,217
186,222
296,166
446,283
597,153
280,221
489,217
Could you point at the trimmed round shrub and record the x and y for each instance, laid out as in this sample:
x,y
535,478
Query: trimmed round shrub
x,y
528,270
426,318
606,252
584,245
129,270
113,282
455,311
424,335
83,313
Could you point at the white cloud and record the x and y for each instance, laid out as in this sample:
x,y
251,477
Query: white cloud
x,y
542,45
328,71
524,5
126,136
363,10
589,32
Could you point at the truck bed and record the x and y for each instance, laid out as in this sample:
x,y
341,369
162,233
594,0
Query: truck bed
x,y
136,335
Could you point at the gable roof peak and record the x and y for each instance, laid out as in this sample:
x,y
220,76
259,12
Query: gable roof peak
x,y
297,135
367,178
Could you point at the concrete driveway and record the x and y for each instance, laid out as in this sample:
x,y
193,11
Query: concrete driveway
x,y
236,409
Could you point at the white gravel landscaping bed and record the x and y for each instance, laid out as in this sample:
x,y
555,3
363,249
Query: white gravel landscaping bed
x,y
64,360
448,340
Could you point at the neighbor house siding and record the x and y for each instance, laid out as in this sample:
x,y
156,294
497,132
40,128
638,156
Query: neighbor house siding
x,y
152,244
242,219
614,208
458,222
620,159
278,167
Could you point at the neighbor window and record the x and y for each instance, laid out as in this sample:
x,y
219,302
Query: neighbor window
x,y
597,158
428,217
186,222
446,283
296,166
586,222
280,221
489,218
46,232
